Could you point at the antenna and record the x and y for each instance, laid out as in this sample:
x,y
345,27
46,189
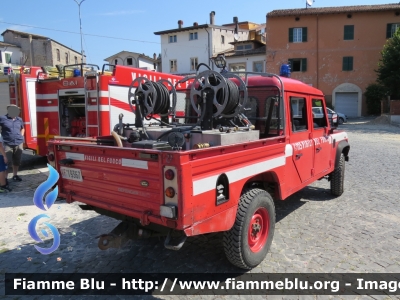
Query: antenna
x,y
309,3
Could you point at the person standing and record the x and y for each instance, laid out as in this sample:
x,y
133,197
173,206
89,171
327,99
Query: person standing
x,y
3,167
12,131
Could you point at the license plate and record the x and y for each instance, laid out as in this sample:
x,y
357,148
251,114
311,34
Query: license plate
x,y
71,173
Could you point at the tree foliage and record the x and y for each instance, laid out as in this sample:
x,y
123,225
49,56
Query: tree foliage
x,y
389,66
374,93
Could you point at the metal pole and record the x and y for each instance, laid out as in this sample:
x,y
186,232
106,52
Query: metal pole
x,y
80,24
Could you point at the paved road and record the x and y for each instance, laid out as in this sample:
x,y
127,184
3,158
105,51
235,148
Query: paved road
x,y
357,232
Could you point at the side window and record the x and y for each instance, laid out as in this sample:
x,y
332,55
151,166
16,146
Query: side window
x,y
273,117
319,114
298,112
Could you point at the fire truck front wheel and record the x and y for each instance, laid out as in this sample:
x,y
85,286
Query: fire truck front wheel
x,y
337,177
247,243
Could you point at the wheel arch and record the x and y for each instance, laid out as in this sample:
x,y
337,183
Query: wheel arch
x,y
343,147
268,181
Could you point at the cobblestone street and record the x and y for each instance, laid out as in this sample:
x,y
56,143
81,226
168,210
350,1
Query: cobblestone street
x,y
315,232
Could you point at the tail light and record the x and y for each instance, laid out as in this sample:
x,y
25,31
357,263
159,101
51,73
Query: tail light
x,y
169,209
170,192
169,174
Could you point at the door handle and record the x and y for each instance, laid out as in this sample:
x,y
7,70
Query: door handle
x,y
318,149
299,155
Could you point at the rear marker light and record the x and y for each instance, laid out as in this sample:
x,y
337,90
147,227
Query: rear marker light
x,y
170,192
169,174
168,211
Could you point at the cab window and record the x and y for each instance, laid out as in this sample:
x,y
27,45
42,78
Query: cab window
x,y
298,111
319,114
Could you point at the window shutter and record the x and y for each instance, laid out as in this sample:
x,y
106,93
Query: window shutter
x,y
388,31
350,63
304,64
290,61
290,35
344,64
348,32
304,32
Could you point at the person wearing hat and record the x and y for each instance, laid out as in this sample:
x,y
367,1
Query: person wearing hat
x,y
12,131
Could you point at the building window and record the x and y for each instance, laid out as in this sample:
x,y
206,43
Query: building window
x,y
8,58
193,63
66,59
222,39
192,36
258,66
298,35
347,63
76,59
173,66
172,39
391,29
129,61
298,64
1,57
58,54
348,32
237,67
244,47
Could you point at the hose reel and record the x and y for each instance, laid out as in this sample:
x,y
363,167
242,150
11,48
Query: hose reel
x,y
152,97
226,94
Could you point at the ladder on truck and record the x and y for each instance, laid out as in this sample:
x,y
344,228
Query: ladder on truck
x,y
92,106
13,88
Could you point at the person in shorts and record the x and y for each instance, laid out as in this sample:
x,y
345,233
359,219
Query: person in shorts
x,y
3,167
12,131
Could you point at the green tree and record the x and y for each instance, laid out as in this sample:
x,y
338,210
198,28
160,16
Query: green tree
x,y
389,66
374,93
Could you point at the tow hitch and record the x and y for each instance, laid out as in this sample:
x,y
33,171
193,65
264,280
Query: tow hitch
x,y
121,234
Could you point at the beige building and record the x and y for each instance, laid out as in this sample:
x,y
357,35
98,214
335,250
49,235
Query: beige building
x,y
39,50
136,60
335,49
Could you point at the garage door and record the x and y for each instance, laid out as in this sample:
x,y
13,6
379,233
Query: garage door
x,y
347,103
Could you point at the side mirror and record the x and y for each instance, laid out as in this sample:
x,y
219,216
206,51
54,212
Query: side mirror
x,y
334,121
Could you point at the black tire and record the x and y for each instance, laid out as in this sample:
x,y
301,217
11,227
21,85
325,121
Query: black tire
x,y
254,205
341,121
337,178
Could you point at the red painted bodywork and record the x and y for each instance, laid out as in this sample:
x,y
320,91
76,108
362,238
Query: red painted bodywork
x,y
46,121
109,185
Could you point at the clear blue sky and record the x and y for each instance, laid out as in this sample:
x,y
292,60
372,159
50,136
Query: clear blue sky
x,y
132,24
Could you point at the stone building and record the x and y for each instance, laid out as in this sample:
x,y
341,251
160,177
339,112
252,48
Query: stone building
x,y
39,50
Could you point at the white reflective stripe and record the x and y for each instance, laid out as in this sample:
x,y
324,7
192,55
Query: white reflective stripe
x,y
76,156
120,92
133,163
288,150
103,94
207,184
27,122
339,136
47,109
101,108
46,96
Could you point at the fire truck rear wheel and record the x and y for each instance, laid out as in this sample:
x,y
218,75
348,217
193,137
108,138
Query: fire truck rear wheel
x,y
337,177
247,243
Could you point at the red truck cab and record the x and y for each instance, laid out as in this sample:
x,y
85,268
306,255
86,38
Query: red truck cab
x,y
243,141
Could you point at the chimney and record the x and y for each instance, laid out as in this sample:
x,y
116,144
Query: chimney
x,y
154,56
180,23
195,24
212,17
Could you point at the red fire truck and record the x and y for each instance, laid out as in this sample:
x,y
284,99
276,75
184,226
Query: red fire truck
x,y
76,100
242,141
